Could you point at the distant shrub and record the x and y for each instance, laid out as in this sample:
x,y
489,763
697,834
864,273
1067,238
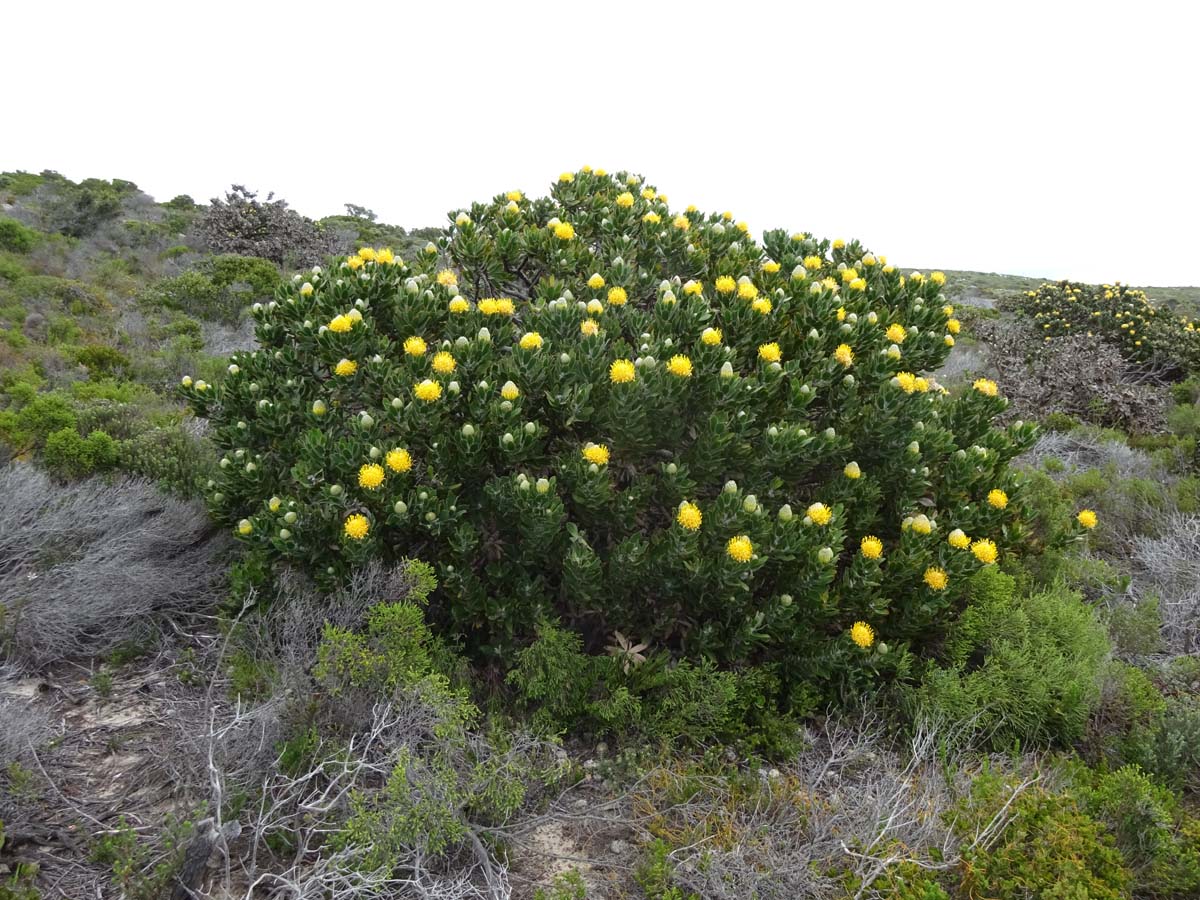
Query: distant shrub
x,y
1024,670
59,294
69,455
16,237
78,210
242,224
171,457
219,290
1122,317
261,276
1168,747
28,427
11,269
101,359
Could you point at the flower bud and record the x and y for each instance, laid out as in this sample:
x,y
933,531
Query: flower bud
x,y
914,448
468,430
785,600
290,518
731,487
186,381
400,507
672,469
335,490
830,434
825,555
233,369
508,438
543,485
530,428
727,370
564,358
319,408
750,504
785,513
365,420
430,517
485,336
284,534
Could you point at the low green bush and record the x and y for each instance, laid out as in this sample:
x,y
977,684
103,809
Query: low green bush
x,y
1050,850
70,455
1158,838
1025,670
28,427
178,461
15,237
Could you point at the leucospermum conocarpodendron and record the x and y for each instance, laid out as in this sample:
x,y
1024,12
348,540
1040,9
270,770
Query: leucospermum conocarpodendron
x,y
583,408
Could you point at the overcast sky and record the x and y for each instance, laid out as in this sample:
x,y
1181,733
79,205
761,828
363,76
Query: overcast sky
x,y
1053,139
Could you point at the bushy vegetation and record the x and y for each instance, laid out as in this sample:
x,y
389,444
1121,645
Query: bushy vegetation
x,y
730,587
1119,315
638,422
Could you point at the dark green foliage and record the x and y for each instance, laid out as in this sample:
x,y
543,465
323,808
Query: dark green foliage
x,y
40,416
628,691
170,456
16,237
219,289
1025,670
77,210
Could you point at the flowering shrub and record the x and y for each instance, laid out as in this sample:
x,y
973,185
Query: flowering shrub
x,y
630,418
1118,314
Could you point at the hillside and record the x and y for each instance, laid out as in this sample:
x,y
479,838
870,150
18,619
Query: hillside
x,y
582,549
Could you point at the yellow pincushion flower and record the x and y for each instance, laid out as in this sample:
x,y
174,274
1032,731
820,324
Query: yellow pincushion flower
x,y
740,549
896,333
514,196
938,278
862,634
444,363
1087,518
693,288
566,177
936,578
398,460
354,263
921,524
564,231
531,340
415,346
871,547
948,341
770,352
771,267
496,306
648,193
589,327
370,476
652,217
985,551
596,281
747,291
683,223
596,453
625,200
459,305
985,386
812,263
621,371
689,516
446,278
819,513
385,256
341,324
245,527
762,306
849,275
510,391
345,368
711,336
997,498
743,227
853,471
844,355
680,366
958,539
907,381
726,285
953,326
356,526
366,254
427,390
617,296
839,244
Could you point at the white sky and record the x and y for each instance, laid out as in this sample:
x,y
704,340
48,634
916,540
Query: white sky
x,y
1049,138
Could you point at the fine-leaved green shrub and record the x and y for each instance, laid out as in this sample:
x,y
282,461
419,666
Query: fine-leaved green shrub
x,y
1024,670
633,420
70,455
16,237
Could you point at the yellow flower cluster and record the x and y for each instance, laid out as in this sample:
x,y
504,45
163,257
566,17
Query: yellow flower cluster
x,y
496,306
689,516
